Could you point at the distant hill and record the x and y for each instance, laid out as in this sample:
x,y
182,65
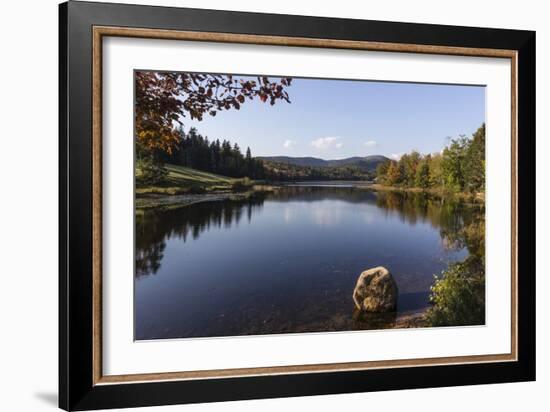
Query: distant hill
x,y
367,163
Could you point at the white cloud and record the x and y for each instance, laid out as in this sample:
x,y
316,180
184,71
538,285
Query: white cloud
x,y
325,143
370,143
289,144
396,156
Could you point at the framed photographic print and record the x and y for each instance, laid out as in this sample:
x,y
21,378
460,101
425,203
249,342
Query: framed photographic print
x,y
257,205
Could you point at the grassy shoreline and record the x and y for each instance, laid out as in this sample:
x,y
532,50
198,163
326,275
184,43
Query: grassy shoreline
x,y
184,186
183,180
476,197
181,200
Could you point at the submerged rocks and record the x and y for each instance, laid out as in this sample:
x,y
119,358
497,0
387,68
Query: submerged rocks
x,y
375,291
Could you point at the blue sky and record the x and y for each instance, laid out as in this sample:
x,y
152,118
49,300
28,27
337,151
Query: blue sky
x,y
334,119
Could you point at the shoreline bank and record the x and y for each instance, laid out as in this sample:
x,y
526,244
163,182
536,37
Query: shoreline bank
x,y
476,197
169,201
150,200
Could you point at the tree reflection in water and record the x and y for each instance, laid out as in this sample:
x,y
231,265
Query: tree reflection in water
x,y
460,224
155,226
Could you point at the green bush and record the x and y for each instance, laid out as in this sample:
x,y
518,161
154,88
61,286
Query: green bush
x,y
150,172
241,185
458,296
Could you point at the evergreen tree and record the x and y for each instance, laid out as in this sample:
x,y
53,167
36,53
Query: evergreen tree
x,y
248,162
198,152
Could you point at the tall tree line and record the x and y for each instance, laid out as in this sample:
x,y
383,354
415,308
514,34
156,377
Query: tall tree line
x,y
221,157
460,167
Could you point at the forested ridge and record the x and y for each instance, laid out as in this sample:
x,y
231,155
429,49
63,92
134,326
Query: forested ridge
x,y
193,150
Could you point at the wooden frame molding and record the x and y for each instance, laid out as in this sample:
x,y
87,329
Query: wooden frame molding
x,y
102,31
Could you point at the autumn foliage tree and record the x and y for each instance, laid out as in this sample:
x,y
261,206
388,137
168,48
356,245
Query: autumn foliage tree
x,y
163,100
395,174
460,167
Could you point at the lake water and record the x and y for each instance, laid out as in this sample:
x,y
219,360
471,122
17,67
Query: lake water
x,y
288,261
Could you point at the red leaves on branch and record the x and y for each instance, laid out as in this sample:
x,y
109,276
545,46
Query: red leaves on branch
x,y
163,100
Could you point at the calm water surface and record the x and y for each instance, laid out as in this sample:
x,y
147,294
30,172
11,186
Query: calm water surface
x,y
287,261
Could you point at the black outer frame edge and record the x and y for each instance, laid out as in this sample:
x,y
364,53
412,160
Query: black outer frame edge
x,y
75,287
62,198
526,222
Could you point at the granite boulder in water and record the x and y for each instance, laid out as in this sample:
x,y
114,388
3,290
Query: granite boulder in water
x,y
375,291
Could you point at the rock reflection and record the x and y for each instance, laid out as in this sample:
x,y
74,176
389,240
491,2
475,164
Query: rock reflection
x,y
369,321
